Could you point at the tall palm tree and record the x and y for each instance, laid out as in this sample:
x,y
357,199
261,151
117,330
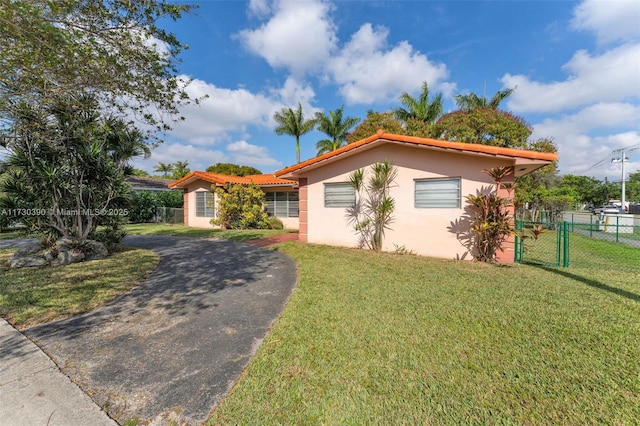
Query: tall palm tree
x,y
164,169
292,123
334,126
181,169
421,109
472,101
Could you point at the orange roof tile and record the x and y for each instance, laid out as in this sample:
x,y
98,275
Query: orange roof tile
x,y
220,179
425,142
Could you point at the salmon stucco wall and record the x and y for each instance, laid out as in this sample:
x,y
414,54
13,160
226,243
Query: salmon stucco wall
x,y
190,201
204,222
436,232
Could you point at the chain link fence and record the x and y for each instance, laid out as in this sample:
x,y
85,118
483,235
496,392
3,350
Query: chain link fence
x,y
170,215
580,239
618,228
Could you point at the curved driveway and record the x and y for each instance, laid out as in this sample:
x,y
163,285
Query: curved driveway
x,y
178,342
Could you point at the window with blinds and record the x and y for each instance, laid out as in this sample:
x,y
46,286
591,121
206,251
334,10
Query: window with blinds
x,y
204,204
339,195
282,204
438,193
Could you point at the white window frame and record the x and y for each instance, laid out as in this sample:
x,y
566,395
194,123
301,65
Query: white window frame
x,y
434,193
289,206
208,209
339,195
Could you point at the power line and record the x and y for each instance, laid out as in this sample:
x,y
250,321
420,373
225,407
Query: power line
x,y
611,156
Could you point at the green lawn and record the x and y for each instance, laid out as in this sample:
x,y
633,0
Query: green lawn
x,y
183,231
399,339
30,296
386,339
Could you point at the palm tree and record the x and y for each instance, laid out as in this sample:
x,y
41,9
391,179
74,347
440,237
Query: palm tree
x,y
180,169
472,101
292,123
164,169
334,126
421,109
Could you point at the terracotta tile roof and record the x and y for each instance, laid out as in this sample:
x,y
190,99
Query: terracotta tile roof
x,y
382,137
220,179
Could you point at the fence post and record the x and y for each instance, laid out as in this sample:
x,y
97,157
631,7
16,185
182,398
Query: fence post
x,y
617,229
565,260
591,226
559,231
572,221
518,257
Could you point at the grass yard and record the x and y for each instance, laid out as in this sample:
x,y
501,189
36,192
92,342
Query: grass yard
x,y
387,339
183,231
30,296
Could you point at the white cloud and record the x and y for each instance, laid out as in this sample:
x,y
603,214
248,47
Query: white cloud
x,y
583,147
299,36
368,71
259,8
610,20
610,77
293,92
224,110
601,115
243,152
199,157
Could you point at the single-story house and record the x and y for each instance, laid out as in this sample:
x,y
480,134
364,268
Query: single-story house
x,y
200,200
432,180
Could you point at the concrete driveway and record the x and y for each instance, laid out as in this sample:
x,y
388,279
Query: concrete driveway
x,y
173,346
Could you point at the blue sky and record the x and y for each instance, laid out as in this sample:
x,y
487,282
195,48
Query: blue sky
x,y
575,66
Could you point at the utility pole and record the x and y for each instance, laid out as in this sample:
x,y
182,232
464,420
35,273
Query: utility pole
x,y
619,157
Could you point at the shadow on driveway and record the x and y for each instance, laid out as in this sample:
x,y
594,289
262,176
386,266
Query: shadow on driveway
x,y
179,341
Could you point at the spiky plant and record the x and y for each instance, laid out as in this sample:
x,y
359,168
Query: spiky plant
x,y
372,212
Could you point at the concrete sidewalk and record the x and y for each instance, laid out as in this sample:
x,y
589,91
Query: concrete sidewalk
x,y
33,391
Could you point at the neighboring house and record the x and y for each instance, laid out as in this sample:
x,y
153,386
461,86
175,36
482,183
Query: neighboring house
x,y
433,178
200,200
141,183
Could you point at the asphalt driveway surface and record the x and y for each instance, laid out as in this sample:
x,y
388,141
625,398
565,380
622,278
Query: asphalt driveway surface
x,y
178,342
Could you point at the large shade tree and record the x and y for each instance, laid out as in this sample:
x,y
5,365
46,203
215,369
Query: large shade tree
x,y
75,78
233,169
376,121
485,126
114,49
292,122
336,127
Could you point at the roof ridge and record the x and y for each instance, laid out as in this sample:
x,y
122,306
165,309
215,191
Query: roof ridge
x,y
436,143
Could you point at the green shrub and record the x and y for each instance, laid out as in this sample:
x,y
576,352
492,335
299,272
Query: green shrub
x,y
143,205
241,207
275,223
110,236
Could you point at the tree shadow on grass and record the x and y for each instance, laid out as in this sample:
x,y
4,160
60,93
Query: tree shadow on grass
x,y
594,283
181,338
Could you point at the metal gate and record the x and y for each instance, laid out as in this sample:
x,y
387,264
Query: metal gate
x,y
542,243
